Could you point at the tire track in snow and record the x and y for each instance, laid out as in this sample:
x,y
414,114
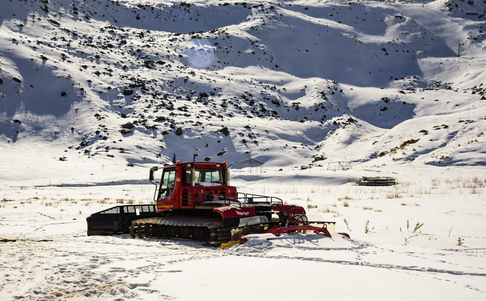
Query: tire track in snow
x,y
361,249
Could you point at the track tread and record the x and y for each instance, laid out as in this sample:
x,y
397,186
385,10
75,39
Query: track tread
x,y
170,227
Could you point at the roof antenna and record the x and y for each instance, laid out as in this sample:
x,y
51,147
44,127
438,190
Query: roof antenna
x,y
194,158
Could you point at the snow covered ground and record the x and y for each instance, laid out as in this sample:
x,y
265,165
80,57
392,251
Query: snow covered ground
x,y
45,253
94,93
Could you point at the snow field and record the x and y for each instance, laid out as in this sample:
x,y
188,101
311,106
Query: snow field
x,y
44,242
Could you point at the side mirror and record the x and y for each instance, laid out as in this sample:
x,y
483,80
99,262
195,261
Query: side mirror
x,y
151,174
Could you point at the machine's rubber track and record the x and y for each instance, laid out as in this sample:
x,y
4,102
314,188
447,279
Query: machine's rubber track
x,y
198,228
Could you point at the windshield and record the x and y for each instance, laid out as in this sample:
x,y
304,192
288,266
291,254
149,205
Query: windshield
x,y
204,176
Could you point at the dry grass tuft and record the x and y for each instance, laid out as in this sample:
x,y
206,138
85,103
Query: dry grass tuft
x,y
347,224
417,227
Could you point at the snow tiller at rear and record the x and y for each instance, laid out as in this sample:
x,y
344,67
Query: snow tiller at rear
x,y
195,201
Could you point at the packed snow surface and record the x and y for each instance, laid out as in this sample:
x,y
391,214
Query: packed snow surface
x,y
421,239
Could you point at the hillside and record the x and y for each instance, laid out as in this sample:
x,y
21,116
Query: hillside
x,y
285,82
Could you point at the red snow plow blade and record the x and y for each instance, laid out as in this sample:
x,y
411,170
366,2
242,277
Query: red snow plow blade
x,y
293,219
302,228
294,228
288,229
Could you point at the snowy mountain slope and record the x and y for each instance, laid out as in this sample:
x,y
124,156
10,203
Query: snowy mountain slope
x,y
284,81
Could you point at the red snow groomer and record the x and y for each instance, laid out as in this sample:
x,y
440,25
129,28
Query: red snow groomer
x,y
194,200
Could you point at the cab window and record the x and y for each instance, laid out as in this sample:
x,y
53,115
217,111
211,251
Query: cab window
x,y
167,184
